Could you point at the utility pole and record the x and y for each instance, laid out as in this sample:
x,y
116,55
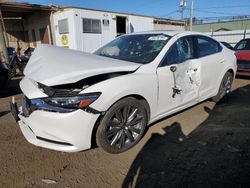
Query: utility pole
x,y
191,15
183,7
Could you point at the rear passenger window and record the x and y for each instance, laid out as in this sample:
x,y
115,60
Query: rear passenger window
x,y
206,46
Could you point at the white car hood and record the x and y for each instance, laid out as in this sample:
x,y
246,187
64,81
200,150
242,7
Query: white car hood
x,y
52,65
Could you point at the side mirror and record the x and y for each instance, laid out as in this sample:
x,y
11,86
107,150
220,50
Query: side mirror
x,y
173,68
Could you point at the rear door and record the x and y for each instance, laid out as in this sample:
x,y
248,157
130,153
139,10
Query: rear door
x,y
209,53
178,76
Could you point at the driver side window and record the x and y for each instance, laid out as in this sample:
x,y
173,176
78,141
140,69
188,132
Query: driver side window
x,y
179,52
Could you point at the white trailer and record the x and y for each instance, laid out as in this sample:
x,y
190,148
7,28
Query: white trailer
x,y
87,29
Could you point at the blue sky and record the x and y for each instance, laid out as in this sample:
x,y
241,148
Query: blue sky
x,y
160,8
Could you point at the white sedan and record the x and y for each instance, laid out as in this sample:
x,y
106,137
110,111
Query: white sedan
x,y
74,99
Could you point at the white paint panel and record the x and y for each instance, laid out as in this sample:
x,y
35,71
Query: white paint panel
x,y
137,24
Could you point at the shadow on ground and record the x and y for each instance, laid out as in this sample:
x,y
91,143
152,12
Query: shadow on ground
x,y
243,77
216,154
12,88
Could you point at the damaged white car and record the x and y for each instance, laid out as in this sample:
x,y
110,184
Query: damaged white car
x,y
74,99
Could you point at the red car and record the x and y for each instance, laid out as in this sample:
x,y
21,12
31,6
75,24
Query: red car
x,y
242,53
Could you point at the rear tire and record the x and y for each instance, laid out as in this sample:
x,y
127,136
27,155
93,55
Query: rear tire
x,y
122,126
225,88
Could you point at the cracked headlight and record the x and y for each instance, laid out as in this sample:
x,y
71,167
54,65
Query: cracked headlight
x,y
80,101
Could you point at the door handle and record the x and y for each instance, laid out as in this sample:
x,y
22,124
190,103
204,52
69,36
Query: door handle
x,y
222,61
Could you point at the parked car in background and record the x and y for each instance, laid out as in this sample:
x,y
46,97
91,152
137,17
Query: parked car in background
x,y
111,96
242,53
227,45
4,72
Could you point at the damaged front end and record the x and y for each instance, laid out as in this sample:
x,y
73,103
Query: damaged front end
x,y
62,98
56,117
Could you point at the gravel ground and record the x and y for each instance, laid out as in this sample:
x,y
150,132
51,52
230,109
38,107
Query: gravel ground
x,y
207,145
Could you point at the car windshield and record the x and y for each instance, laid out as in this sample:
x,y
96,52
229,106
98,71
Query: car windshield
x,y
139,48
243,45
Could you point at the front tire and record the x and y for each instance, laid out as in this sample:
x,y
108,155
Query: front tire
x,y
225,88
122,126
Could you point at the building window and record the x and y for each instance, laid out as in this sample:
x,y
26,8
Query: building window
x,y
63,26
91,26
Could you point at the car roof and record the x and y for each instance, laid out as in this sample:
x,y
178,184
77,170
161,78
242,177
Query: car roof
x,y
167,32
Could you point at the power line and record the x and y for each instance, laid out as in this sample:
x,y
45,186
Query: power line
x,y
215,12
170,13
224,7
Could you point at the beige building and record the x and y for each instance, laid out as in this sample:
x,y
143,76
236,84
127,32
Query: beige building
x,y
168,24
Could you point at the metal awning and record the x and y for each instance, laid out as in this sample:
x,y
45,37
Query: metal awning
x,y
22,9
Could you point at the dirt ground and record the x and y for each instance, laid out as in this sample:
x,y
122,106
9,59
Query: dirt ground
x,y
207,145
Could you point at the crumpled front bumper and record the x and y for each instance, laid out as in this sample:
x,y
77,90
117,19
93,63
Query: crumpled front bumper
x,y
68,132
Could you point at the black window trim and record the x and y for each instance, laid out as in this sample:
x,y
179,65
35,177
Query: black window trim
x,y
206,37
162,64
195,41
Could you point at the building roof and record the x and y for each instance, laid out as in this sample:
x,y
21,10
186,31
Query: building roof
x,y
170,21
13,9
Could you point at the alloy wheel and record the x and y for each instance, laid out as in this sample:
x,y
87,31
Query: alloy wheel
x,y
125,127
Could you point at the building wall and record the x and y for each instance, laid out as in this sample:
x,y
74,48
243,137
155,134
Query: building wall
x,y
168,27
231,37
231,25
72,36
37,22
17,37
19,31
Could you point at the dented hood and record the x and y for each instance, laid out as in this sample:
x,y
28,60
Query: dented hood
x,y
52,65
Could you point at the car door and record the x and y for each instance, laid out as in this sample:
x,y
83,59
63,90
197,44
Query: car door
x,y
212,61
178,76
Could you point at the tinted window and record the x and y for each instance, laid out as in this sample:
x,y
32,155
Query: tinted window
x,y
206,46
243,45
139,48
179,52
